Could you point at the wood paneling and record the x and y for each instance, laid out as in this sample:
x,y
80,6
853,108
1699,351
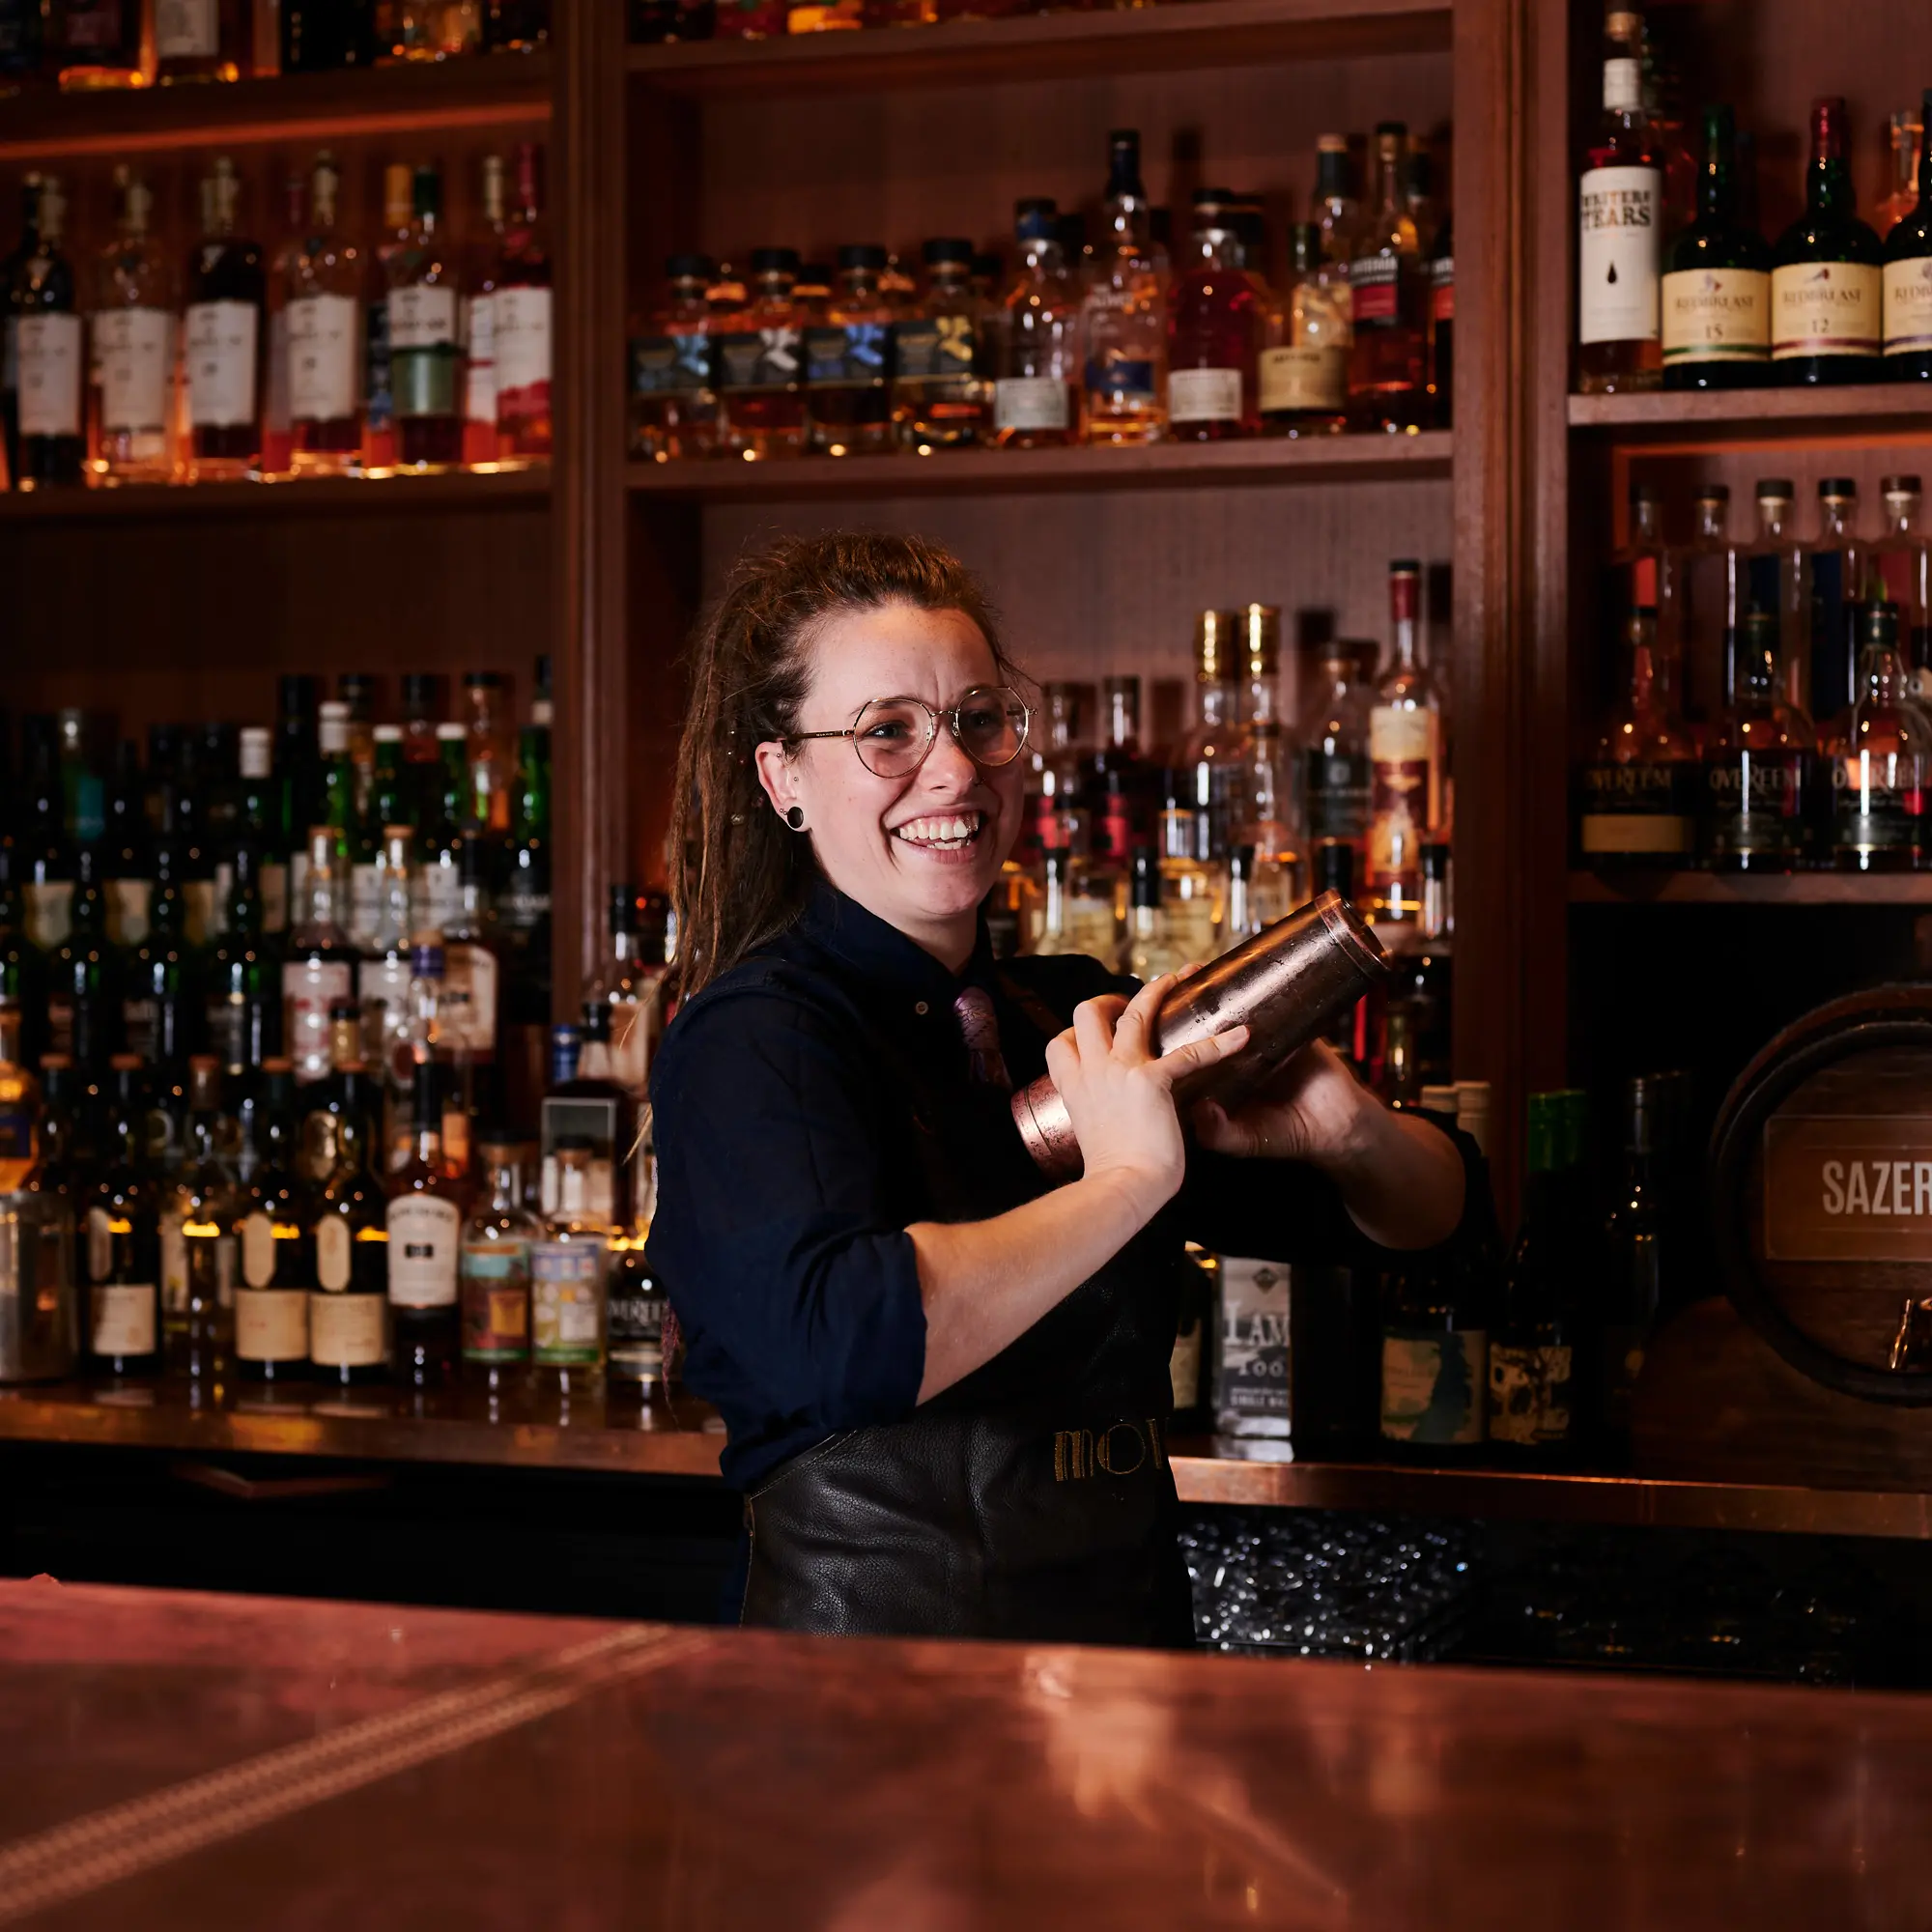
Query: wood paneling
x,y
1737,889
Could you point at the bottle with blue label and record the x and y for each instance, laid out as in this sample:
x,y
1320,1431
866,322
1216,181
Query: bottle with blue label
x,y
674,395
1125,308
848,361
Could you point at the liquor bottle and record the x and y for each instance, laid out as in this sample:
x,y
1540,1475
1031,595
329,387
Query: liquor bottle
x,y
1421,985
120,1237
1717,281
162,992
1151,946
1303,370
1647,571
422,710
445,799
1827,277
1902,559
1265,813
1208,758
126,856
1214,316
1904,130
1620,221
133,324
1757,769
320,962
522,906
635,1301
522,324
495,1274
1907,300
379,420
1389,369
197,1240
54,1173
477,319
673,388
472,979
1640,1260
277,464
243,983
1404,751
428,30
275,1233
383,973
567,1280
1837,562
1443,330
1337,771
84,977
425,351
427,1206
203,41
1777,570
1038,373
296,763
847,361
224,331
349,1312
19,1104
1124,311
96,43
1535,1387
325,277
9,321
941,398
1334,209
1881,773
487,750
22,967
1714,592
1418,190
1051,932
49,359
760,363
1640,779
631,987
1435,1360
47,883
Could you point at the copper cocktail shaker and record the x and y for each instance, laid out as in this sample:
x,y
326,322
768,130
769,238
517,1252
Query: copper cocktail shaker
x,y
1284,984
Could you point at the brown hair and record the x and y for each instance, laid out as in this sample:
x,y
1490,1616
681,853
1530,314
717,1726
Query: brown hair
x,y
739,874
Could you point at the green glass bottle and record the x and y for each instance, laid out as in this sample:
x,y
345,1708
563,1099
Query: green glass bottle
x,y
349,1312
120,1241
160,1003
1717,281
1908,279
243,979
275,1236
1827,277
84,974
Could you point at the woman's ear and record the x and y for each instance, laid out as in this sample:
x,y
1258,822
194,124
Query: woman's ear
x,y
778,774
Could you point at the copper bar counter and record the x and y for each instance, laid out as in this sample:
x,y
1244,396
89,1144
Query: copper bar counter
x,y
171,1760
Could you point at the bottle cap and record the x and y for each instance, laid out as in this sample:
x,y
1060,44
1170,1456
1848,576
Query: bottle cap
x,y
1776,488
775,260
1900,486
482,680
1034,219
1215,646
861,255
1830,487
295,693
946,248
257,759
1714,492
387,734
426,962
1261,638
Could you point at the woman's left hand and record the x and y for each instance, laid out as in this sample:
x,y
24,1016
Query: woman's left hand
x,y
1311,1109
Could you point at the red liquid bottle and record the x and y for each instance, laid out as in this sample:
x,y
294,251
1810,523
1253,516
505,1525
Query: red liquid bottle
x,y
1213,331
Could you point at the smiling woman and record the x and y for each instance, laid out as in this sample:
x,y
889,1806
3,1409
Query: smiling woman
x,y
945,1384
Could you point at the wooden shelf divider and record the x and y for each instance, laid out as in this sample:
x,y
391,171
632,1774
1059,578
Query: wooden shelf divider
x,y
1839,889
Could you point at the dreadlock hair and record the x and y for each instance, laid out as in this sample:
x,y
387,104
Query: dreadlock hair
x,y
740,876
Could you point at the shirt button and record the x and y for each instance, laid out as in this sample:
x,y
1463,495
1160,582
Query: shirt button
x,y
921,1010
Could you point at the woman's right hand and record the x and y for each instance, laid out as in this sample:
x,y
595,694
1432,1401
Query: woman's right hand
x,y
1120,1096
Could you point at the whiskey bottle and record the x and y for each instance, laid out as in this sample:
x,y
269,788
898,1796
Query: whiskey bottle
x,y
379,422
21,987
1263,810
1642,1256
495,1274
1333,208
55,1169
567,1280
325,273
1337,773
1303,370
275,1233
521,343
1124,310
9,321
630,990
243,985
425,354
47,873
941,398
760,362
1907,301
94,44
427,1205
848,361
477,318
49,365
1777,570
1904,133
161,997
1435,1360
1712,595
224,336
1036,366
1837,562
1827,277
1192,897
1620,223
673,388
1640,781
318,965
1443,329
1405,752
349,1312
203,41
133,326
120,1238
636,1300
1757,769
1389,378
1880,774
127,851
473,984
197,1240
1214,317
1717,281
84,975
1209,757
1902,559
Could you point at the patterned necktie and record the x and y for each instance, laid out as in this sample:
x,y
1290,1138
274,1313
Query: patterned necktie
x,y
979,1026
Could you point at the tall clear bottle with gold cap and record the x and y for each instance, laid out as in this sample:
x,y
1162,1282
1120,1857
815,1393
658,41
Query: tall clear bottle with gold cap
x,y
1264,811
131,370
224,322
379,420
1207,760
325,336
1405,753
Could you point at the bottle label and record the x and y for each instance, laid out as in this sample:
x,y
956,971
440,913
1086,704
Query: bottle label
x,y
1183,1368
1623,85
258,1249
566,1303
49,375
1716,315
128,903
670,365
424,356
140,1027
425,1233
1032,402
222,339
1617,254
201,911
1442,289
123,1318
1908,306
1638,809
1375,290
1433,1384
1340,787
750,362
271,1323
1756,802
227,1016
380,408
934,349
1252,1362
1120,381
1203,396
1529,1394
365,902
436,896
332,1251
1878,802
322,359
497,1301
309,988
1826,308
173,1264
1405,765
91,26
847,356
1297,379
188,29
347,1332
100,1226
479,366
467,1008
522,338
47,909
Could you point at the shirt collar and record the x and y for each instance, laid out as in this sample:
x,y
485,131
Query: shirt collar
x,y
884,954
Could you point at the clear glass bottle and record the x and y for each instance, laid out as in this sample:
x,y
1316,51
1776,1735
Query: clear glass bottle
x,y
1837,562
631,987
1333,208
1880,775
1758,767
1711,577
318,965
1620,218
673,388
1208,758
1902,557
1904,130
521,305
428,1204
1305,345
1149,947
1641,775
382,973
1215,312
1337,775
847,361
378,417
1907,303
198,1247
1265,813
241,975
761,362
941,398
133,358
1193,878
1035,393
323,314
494,1273
1389,372
1405,753
49,362
1777,569
275,1236
568,1286
1124,309
349,1312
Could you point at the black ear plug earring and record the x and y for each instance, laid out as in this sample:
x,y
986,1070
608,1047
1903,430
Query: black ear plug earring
x,y
795,817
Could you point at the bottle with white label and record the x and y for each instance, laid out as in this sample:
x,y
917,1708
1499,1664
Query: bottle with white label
x,y
472,978
1828,273
1037,369
132,366
120,1241
428,1203
477,315
1908,276
349,1312
425,350
325,337
1304,362
203,41
1214,320
274,1235
319,966
1620,212
1405,755
10,322
568,1283
49,357
522,324
225,327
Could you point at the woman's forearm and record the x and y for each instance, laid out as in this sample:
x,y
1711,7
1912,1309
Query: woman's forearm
x,y
1400,1180
986,1283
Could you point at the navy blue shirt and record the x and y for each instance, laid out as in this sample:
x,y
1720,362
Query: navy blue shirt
x,y
782,1121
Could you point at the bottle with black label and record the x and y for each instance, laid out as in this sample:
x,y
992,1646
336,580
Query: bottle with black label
x,y
1758,768
1639,782
349,1312
427,1206
275,1232
1879,776
120,1241
1337,778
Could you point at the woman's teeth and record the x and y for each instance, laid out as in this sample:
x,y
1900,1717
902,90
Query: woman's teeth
x,y
942,835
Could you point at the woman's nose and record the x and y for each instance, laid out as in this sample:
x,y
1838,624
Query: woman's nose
x,y
946,766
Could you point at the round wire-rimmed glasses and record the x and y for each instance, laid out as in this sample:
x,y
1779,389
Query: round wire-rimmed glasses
x,y
894,735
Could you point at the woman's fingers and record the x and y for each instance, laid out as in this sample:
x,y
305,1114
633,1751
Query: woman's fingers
x,y
1134,1026
1186,1059
1093,1030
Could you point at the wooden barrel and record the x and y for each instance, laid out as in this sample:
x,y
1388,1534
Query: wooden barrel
x,y
1822,1194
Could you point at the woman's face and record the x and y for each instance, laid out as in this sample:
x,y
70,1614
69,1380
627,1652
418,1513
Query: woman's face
x,y
919,851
